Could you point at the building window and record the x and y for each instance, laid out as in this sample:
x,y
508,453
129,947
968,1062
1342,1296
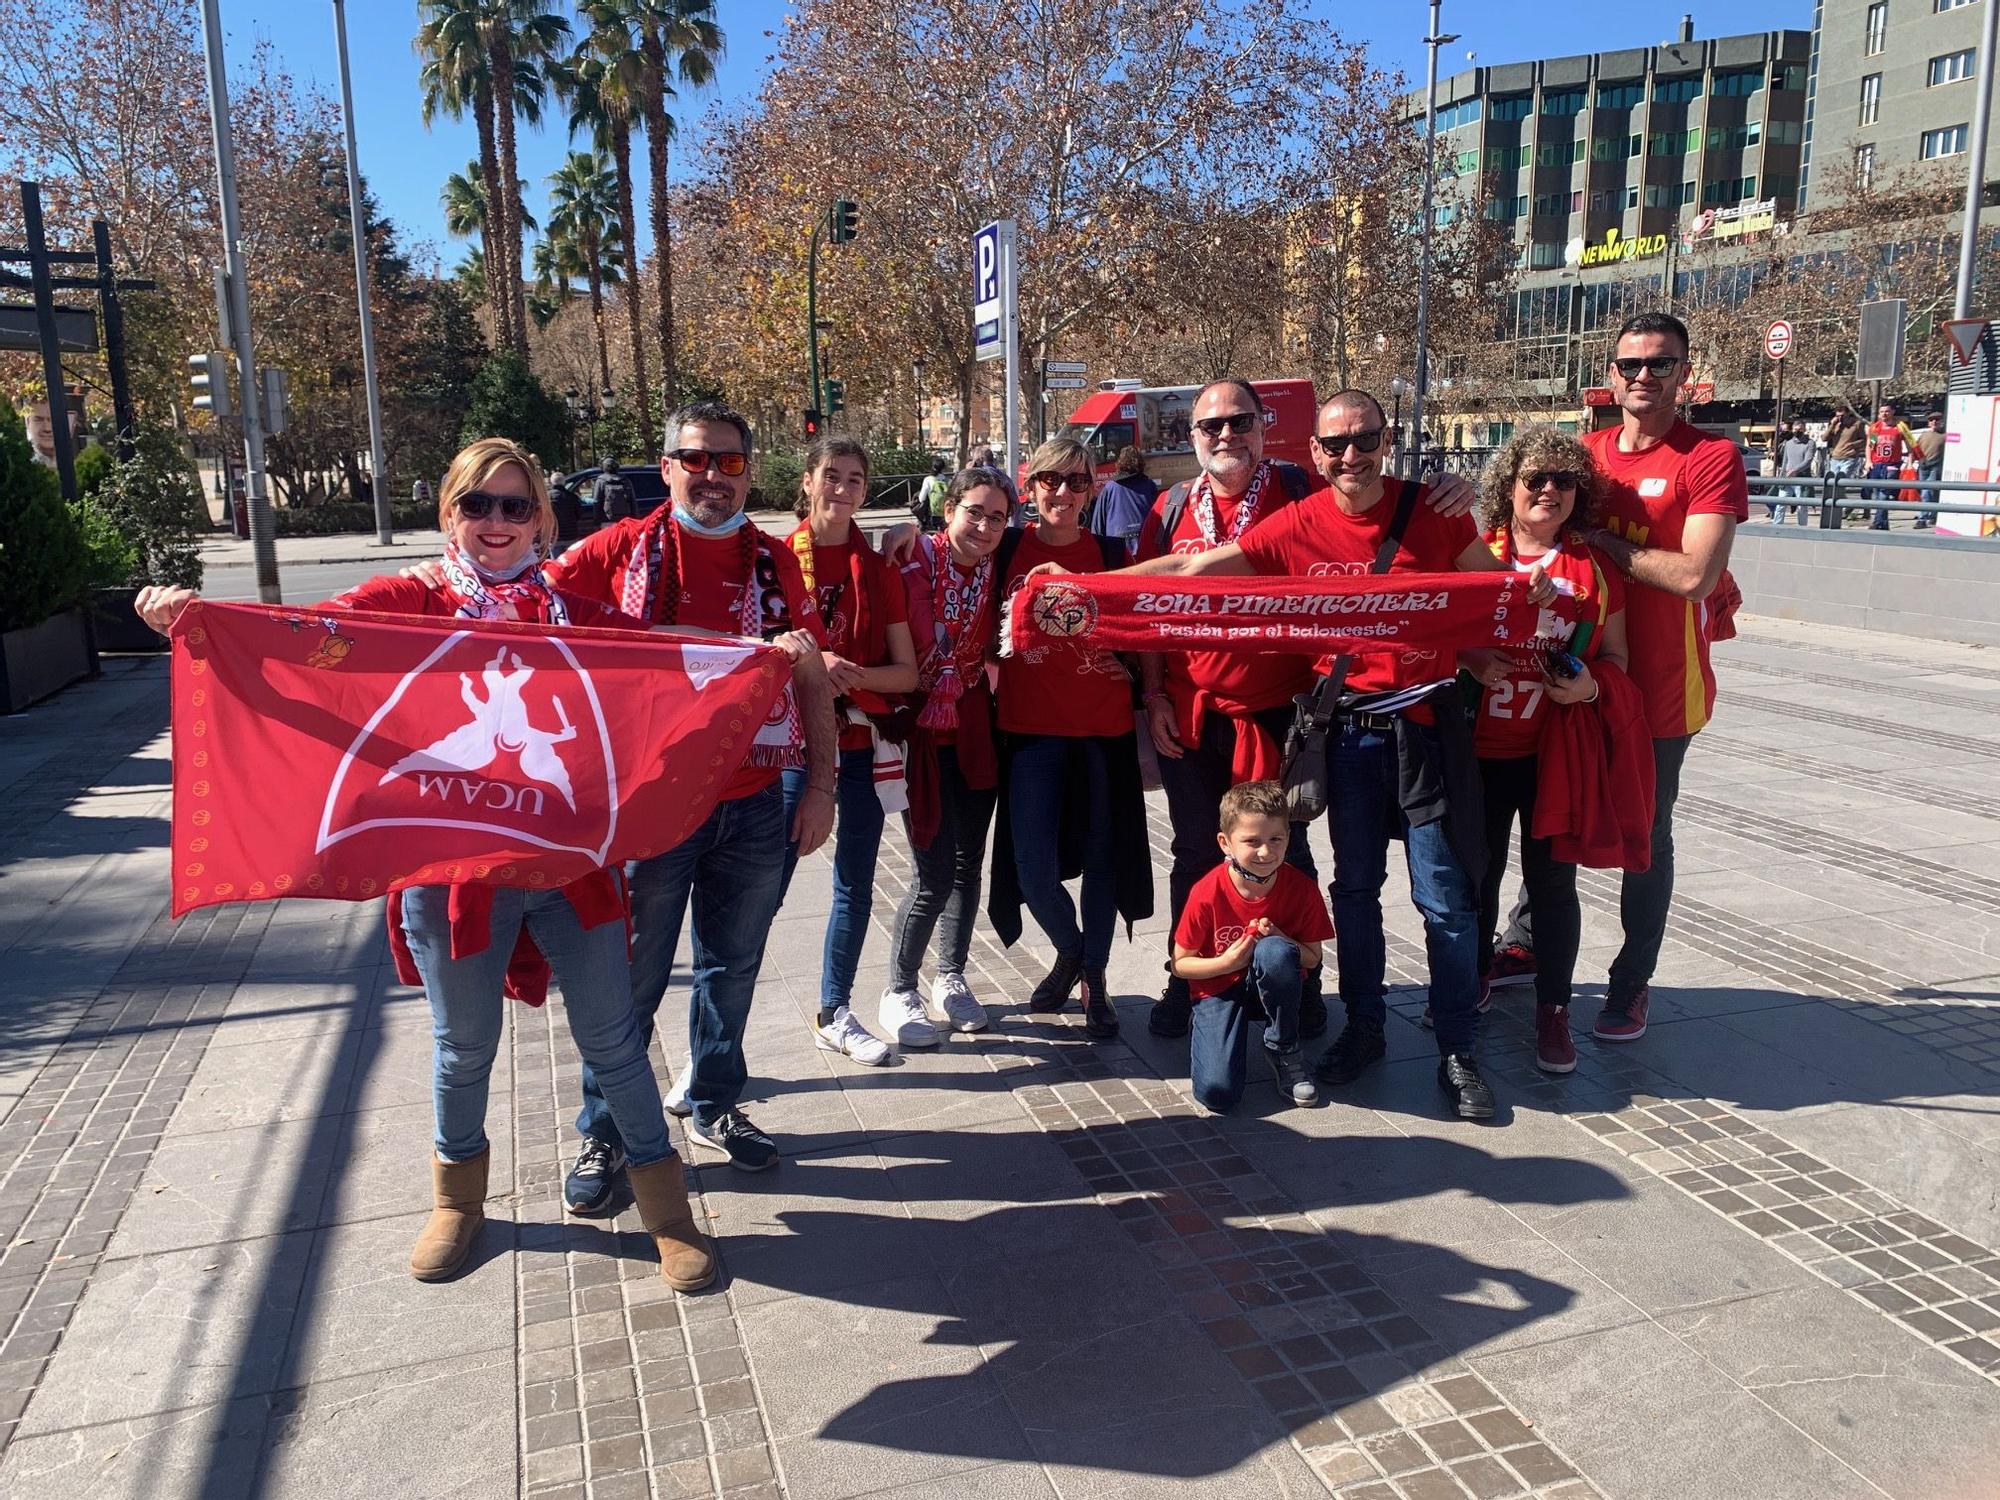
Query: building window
x,y
1677,90
1949,141
1738,85
1466,162
1786,133
1576,202
1871,98
1735,137
1563,102
1661,195
1941,6
1878,29
1545,253
1620,95
1864,168
1632,196
1792,77
1786,188
1634,144
1513,106
1687,192
1950,68
1465,112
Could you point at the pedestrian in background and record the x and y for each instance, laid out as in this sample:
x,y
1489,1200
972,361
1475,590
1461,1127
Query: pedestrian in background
x,y
1889,439
1795,461
1125,501
1929,444
612,493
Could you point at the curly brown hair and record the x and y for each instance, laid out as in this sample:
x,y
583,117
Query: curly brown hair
x,y
1539,447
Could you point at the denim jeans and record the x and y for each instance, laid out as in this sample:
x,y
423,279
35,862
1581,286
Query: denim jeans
x,y
1220,1027
857,839
943,894
1887,492
1365,816
1646,895
1550,883
1932,470
732,869
1037,774
467,1013
1795,490
1194,784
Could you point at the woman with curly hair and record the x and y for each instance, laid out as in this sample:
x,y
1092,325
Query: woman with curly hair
x,y
1538,500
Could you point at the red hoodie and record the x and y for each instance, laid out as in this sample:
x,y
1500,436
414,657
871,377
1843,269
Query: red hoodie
x,y
1594,778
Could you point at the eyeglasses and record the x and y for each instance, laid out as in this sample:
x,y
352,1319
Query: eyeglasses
x,y
1237,422
699,461
979,519
1565,480
477,505
1076,484
1659,366
1336,443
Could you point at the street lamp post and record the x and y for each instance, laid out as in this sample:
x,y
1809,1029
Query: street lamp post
x,y
385,524
1397,387
917,370
1968,244
1435,40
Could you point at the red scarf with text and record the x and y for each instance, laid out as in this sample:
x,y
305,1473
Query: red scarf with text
x,y
956,656
1201,504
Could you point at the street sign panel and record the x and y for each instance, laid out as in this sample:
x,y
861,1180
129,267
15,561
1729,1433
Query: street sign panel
x,y
1063,383
1778,339
76,329
1964,334
1880,355
989,313
1064,367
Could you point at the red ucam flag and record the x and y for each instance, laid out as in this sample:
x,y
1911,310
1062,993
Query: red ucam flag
x,y
1326,615
345,754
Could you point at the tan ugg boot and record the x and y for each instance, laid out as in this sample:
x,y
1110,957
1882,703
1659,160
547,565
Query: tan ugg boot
x,y
660,1190
459,1190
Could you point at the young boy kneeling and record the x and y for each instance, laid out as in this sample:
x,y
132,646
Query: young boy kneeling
x,y
1250,932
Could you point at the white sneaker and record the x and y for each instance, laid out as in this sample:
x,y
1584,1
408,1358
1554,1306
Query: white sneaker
x,y
676,1099
845,1034
901,1014
952,995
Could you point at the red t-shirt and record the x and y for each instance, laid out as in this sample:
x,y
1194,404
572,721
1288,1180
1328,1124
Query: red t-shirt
x,y
1059,688
1647,499
833,591
1885,443
1216,914
1254,679
1316,538
1510,717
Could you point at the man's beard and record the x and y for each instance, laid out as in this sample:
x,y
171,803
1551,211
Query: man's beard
x,y
711,511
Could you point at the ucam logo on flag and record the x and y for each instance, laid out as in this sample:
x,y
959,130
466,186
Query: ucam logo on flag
x,y
342,754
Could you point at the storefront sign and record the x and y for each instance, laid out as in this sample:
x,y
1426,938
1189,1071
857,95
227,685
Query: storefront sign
x,y
1613,248
1731,223
1598,395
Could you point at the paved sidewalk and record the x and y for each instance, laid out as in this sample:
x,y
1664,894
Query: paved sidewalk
x,y
1752,1255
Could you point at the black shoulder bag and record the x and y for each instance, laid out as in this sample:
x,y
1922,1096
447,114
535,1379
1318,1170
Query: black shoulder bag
x,y
1305,774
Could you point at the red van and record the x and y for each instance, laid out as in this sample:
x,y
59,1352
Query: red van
x,y
1157,420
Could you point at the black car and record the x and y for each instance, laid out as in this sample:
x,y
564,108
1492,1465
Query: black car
x,y
576,511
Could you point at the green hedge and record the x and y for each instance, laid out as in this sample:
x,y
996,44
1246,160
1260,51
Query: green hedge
x,y
347,516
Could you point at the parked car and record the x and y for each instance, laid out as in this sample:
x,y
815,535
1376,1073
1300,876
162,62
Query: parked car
x,y
576,511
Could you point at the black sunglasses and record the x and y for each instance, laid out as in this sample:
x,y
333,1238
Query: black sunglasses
x,y
1076,484
698,460
477,505
1238,423
1337,443
1659,366
1565,480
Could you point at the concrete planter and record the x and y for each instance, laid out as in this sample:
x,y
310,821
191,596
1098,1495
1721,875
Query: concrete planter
x,y
45,659
116,628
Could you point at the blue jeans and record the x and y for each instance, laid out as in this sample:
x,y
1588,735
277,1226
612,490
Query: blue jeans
x,y
1881,471
857,839
1220,1028
1037,774
732,868
1365,815
467,1013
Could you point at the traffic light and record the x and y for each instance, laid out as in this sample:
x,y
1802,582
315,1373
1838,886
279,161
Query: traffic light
x,y
812,423
210,376
836,397
844,220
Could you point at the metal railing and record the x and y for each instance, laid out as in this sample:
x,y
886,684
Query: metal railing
x,y
1832,495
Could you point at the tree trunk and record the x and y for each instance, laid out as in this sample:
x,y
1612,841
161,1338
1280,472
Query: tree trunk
x,y
621,154
491,225
502,64
597,320
658,129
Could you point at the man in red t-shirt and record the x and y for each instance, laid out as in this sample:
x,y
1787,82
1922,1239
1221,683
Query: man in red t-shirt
x,y
1890,441
1388,741
1672,499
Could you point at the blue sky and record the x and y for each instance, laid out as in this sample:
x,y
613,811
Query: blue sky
x,y
406,165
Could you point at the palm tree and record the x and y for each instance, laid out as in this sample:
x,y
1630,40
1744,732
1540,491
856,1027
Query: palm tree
x,y
454,79
583,208
603,80
679,41
463,200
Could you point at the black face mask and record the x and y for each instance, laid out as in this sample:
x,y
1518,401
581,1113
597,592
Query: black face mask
x,y
1251,875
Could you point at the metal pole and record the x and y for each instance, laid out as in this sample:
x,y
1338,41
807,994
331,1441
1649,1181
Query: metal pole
x,y
1434,41
114,337
263,544
812,319
1975,172
51,341
1010,290
385,525
918,370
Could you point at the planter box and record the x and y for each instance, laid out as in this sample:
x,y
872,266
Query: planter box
x,y
117,628
45,659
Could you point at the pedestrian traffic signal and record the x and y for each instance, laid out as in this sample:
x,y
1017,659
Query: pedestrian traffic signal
x,y
812,423
836,397
210,375
844,220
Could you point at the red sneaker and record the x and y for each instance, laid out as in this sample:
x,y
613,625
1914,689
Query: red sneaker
x,y
1554,1051
1513,964
1623,1023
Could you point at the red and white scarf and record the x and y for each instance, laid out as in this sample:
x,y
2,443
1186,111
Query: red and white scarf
x,y
1201,501
483,597
958,647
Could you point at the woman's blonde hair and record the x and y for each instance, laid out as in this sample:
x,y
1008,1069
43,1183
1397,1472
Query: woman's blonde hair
x,y
1539,447
477,463
1057,455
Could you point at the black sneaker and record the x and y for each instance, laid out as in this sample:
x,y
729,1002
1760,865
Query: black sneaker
x,y
1359,1046
1052,994
1312,1010
1458,1076
1289,1069
592,1179
731,1133
1173,1011
1100,1019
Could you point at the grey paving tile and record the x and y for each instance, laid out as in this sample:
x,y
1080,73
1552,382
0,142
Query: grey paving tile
x,y
259,1083
195,1450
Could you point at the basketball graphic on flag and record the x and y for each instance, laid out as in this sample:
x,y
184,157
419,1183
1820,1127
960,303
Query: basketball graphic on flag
x,y
1064,611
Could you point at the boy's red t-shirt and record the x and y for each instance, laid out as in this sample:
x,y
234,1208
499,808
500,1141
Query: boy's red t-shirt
x,y
1061,689
1215,916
